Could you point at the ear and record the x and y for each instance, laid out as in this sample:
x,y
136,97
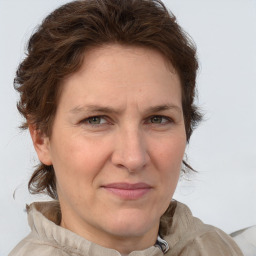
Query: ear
x,y
41,144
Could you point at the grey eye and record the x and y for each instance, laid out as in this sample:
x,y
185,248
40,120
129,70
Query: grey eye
x,y
94,120
156,119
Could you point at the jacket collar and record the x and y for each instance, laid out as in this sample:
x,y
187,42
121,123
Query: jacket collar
x,y
44,219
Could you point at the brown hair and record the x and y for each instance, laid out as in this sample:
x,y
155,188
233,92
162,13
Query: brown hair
x,y
58,47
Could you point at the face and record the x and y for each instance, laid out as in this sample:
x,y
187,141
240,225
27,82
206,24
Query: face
x,y
117,144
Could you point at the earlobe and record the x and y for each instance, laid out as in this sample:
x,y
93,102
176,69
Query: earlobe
x,y
41,144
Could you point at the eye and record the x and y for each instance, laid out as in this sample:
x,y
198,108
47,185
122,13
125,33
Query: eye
x,y
160,120
95,120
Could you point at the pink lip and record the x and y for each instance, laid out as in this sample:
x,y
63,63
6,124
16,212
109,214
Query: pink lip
x,y
128,191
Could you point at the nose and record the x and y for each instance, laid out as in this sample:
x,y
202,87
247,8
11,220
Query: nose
x,y
130,151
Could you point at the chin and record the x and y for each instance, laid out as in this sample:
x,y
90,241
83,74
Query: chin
x,y
127,231
132,223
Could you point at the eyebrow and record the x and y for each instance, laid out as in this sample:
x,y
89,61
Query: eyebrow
x,y
164,107
107,109
93,108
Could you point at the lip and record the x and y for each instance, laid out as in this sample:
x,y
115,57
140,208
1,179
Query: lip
x,y
128,191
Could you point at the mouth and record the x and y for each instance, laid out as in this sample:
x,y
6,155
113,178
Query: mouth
x,y
128,191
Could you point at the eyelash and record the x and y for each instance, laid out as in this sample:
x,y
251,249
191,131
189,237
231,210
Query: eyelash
x,y
86,121
168,120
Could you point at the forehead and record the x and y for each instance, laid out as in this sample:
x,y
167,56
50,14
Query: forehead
x,y
117,52
128,71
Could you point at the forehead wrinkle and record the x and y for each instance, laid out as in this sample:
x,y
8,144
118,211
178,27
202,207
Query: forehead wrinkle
x,y
94,108
107,109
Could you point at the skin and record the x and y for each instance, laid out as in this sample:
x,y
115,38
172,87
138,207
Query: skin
x,y
119,120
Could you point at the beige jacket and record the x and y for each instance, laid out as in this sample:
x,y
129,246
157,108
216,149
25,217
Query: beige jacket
x,y
185,235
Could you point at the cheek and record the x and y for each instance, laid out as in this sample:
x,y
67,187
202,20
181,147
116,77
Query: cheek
x,y
78,158
169,160
76,166
169,153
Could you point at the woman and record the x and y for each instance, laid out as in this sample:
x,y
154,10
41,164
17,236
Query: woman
x,y
107,91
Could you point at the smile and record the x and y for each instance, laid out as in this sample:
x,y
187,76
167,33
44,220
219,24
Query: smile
x,y
128,191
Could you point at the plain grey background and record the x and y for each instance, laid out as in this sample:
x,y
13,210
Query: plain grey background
x,y
222,149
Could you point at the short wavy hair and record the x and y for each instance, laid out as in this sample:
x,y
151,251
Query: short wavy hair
x,y
58,47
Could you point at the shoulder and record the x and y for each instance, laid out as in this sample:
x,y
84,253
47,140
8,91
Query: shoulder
x,y
209,241
47,237
30,247
190,236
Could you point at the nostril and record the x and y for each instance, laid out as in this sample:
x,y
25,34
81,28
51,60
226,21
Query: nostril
x,y
120,166
131,163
